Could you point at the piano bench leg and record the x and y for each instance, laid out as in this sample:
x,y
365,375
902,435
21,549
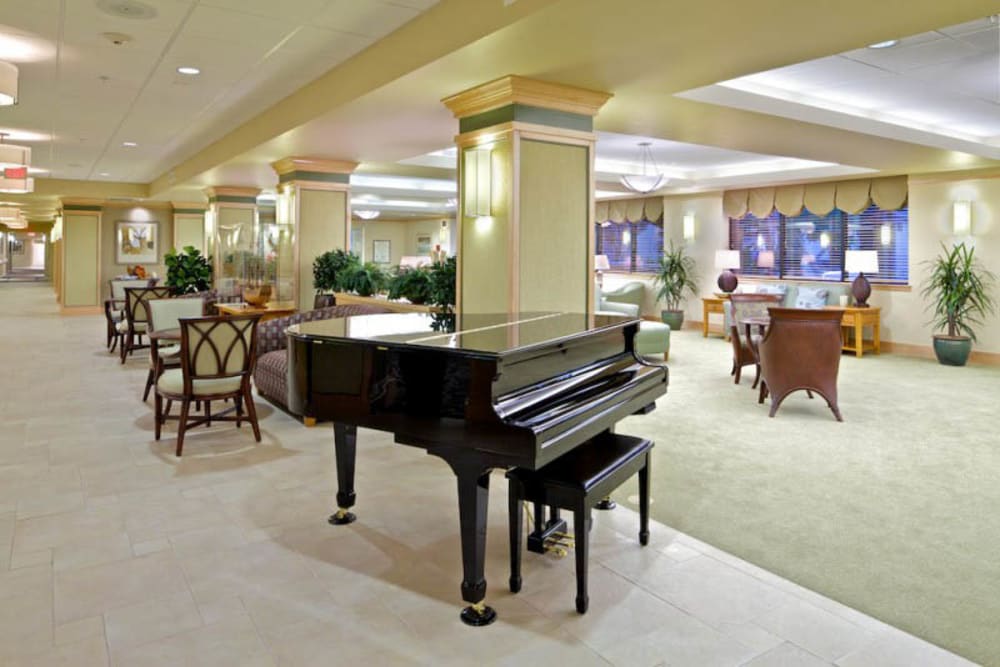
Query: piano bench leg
x,y
308,422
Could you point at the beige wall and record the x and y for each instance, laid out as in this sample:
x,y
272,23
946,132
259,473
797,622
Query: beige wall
x,y
165,235
81,267
484,258
189,230
552,230
402,235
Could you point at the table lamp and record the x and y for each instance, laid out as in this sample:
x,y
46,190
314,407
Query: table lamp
x,y
727,260
765,259
859,261
601,264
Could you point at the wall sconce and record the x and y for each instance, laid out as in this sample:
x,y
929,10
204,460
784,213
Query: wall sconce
x,y
961,218
689,226
478,182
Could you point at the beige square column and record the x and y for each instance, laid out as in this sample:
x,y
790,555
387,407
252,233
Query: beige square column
x,y
230,228
526,196
80,256
314,201
189,226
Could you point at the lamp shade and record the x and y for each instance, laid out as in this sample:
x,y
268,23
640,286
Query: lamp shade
x,y
727,259
601,263
861,261
8,84
765,259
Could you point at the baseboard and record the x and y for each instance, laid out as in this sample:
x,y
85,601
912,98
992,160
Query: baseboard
x,y
927,352
80,310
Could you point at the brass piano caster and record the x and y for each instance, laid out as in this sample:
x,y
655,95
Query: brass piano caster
x,y
606,504
478,614
342,517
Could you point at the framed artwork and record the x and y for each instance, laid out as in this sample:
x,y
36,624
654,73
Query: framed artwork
x,y
16,246
381,253
423,244
136,242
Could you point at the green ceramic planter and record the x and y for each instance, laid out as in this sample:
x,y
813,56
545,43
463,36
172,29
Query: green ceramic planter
x,y
952,351
675,318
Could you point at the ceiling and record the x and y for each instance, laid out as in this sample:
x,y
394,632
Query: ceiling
x,y
362,81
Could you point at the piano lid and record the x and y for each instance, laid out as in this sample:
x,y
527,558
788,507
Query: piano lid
x,y
488,335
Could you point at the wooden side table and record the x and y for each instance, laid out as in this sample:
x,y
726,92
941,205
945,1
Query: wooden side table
x,y
712,304
853,325
270,311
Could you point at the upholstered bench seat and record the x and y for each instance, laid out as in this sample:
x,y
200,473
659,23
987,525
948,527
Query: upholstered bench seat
x,y
653,338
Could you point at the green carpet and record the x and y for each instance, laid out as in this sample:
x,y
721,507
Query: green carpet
x,y
895,512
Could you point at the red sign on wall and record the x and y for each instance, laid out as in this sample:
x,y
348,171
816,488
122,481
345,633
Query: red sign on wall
x,y
15,172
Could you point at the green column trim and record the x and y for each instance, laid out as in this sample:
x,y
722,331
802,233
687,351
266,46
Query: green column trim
x,y
194,211
83,207
232,199
526,114
315,176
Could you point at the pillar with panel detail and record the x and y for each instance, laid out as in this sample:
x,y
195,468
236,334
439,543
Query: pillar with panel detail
x,y
189,225
313,216
526,196
230,229
79,287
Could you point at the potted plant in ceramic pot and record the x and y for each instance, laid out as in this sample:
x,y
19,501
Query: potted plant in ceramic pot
x,y
960,289
676,275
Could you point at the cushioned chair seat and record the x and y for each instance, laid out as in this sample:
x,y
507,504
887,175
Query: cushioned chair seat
x,y
140,327
168,351
653,338
172,382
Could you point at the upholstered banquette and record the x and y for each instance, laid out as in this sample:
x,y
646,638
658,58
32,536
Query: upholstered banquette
x,y
271,372
794,295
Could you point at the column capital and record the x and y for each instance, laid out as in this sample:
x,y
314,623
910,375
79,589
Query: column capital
x,y
225,194
314,171
513,97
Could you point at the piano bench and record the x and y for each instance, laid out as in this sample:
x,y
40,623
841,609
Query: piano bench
x,y
576,482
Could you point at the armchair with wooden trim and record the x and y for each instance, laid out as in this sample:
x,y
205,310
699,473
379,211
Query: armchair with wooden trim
x,y
801,350
136,321
217,360
114,310
166,314
743,306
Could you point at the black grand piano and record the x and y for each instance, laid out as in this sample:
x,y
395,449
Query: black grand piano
x,y
479,391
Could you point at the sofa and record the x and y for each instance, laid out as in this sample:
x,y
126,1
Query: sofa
x,y
270,373
653,337
793,295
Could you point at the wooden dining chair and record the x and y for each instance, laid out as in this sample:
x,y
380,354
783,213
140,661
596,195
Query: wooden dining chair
x,y
114,310
136,321
217,360
743,306
166,314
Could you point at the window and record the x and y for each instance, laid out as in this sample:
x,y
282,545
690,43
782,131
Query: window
x,y
811,247
631,247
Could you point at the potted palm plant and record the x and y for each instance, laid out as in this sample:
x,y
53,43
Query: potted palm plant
x,y
675,276
960,289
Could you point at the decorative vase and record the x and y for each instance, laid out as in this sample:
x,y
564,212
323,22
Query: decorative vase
x,y
675,318
257,296
952,350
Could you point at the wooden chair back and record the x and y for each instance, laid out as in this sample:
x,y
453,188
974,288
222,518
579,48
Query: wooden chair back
x,y
167,313
118,286
136,311
218,347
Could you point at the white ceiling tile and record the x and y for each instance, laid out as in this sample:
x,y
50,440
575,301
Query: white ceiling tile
x,y
372,18
422,5
973,77
906,57
978,25
295,10
224,25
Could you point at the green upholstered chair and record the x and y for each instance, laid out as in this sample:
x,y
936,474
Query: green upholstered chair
x,y
653,337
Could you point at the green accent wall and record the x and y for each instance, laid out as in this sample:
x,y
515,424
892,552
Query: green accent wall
x,y
232,199
526,114
83,207
189,211
314,176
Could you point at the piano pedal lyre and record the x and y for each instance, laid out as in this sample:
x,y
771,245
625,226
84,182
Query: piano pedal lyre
x,y
559,544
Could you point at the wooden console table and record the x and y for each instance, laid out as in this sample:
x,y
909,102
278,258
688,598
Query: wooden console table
x,y
852,328
713,304
269,311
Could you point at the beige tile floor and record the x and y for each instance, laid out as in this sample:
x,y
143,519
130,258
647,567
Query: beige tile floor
x,y
113,551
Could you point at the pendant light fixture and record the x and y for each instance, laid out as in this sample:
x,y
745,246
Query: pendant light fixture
x,y
366,214
651,177
8,84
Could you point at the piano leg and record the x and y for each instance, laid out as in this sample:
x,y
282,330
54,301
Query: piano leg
x,y
345,440
473,502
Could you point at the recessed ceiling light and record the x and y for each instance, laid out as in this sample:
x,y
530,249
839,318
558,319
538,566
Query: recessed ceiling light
x,y
104,173
190,71
129,144
884,45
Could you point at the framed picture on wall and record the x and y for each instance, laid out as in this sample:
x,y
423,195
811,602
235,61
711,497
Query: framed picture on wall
x,y
16,246
381,253
136,242
423,244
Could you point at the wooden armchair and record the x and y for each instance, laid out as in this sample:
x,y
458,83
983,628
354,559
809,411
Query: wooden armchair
x,y
136,321
114,310
743,306
217,360
801,350
166,314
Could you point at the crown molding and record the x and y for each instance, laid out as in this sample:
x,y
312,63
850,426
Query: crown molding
x,y
512,89
316,165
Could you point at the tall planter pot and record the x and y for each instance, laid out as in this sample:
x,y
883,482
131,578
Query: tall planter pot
x,y
675,318
324,301
952,350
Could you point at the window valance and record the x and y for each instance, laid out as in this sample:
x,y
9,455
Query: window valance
x,y
629,210
888,194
